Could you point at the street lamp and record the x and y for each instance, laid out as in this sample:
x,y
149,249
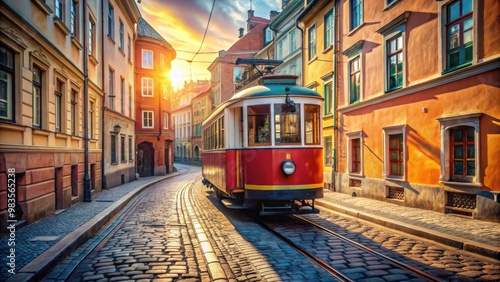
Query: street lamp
x,y
117,129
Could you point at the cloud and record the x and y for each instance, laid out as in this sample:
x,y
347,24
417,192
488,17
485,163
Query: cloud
x,y
183,22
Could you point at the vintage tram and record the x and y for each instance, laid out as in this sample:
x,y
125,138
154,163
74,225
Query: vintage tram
x,y
262,148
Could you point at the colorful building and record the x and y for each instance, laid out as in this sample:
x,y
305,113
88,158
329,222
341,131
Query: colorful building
x,y
45,103
153,95
419,104
317,22
201,107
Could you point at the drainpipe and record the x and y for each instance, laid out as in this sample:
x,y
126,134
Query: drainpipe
x,y
87,196
301,51
103,165
335,98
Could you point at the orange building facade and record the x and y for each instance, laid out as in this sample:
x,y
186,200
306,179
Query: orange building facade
x,y
154,132
419,104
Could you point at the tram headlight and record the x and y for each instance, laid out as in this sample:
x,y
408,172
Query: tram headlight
x,y
288,167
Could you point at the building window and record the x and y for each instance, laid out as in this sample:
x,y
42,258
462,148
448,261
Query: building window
x,y
147,59
463,153
165,120
91,37
122,36
59,9
37,97
147,87
355,80
74,111
460,149
355,152
328,29
111,21
356,13
147,119
91,120
130,101
396,155
328,151
394,152
111,93
395,63
328,102
293,40
122,149
122,94
279,49
129,47
356,155
130,155
58,104
268,35
459,33
6,84
114,159
73,25
311,42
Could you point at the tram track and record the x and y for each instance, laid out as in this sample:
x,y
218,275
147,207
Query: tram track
x,y
287,232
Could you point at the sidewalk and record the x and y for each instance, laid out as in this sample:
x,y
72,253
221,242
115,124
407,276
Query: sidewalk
x,y
44,244
476,236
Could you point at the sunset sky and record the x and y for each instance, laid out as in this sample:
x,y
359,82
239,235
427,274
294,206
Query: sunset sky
x,y
182,23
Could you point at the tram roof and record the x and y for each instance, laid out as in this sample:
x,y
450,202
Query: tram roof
x,y
276,85
271,85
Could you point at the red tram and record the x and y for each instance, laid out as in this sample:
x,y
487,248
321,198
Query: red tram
x,y
263,148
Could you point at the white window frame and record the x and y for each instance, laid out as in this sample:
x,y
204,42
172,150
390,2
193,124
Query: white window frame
x,y
147,118
448,123
310,42
149,87
387,132
350,136
147,63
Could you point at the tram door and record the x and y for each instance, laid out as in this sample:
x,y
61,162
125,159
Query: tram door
x,y
145,159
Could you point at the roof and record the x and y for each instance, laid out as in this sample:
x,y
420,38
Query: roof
x,y
146,30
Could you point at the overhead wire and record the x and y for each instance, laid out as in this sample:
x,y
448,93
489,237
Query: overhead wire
x,y
205,34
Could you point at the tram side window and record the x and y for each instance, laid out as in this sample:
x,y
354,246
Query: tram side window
x,y
258,125
286,124
311,122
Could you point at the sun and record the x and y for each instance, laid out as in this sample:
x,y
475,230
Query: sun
x,y
175,77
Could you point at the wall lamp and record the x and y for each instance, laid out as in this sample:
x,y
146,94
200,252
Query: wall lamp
x,y
117,129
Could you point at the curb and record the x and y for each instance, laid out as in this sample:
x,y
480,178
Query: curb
x,y
42,265
445,239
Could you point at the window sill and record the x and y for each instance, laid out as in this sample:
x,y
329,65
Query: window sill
x,y
41,132
42,6
315,58
76,43
395,179
93,60
456,183
328,49
356,29
114,163
61,26
390,5
356,175
121,52
446,71
111,39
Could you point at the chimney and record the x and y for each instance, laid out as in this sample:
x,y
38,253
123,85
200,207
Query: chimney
x,y
241,32
250,13
273,14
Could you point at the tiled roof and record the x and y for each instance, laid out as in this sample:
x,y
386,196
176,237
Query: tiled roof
x,y
146,30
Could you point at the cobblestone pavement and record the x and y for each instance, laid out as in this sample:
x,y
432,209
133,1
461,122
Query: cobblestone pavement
x,y
152,241
40,246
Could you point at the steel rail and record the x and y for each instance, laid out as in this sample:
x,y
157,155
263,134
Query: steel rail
x,y
365,248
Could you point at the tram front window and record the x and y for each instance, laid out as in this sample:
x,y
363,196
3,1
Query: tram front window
x,y
286,124
258,125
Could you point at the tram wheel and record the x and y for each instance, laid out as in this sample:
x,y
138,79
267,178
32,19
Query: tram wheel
x,y
218,194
